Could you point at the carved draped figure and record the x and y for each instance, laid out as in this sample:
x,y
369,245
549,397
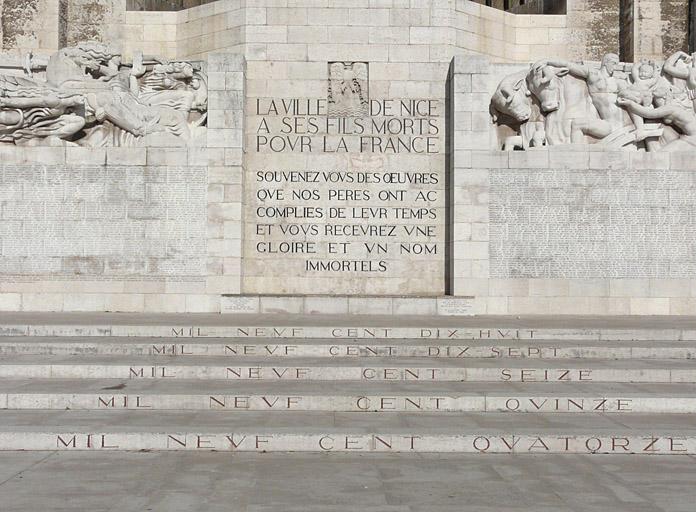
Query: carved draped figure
x,y
91,98
29,110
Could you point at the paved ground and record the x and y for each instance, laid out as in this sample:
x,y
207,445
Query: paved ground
x,y
217,482
531,321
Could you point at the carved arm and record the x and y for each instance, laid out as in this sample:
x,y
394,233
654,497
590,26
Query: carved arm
x,y
670,66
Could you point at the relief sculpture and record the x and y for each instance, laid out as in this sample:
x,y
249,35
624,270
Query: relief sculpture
x,y
86,95
646,106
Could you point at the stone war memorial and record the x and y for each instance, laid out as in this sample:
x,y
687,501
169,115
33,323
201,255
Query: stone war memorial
x,y
439,158
394,226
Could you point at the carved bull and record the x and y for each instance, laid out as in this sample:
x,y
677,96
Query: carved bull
x,y
517,119
511,98
544,82
560,97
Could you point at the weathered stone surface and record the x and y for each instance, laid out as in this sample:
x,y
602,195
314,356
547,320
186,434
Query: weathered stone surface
x,y
591,223
87,222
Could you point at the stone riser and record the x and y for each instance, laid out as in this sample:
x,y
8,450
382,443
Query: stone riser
x,y
350,373
357,403
348,332
345,350
337,441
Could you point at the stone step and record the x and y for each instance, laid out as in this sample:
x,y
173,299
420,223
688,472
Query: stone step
x,y
341,369
566,349
348,432
346,396
306,328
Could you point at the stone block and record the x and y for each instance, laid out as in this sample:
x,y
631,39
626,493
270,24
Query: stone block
x,y
609,160
308,34
472,287
649,160
44,155
10,302
538,158
681,306
529,305
471,250
202,303
682,161
508,287
370,305
649,306
126,156
223,285
328,16
472,64
42,301
75,155
670,288
286,16
414,305
224,211
326,305
164,303
588,287
283,305
166,156
497,306
368,17
83,302
565,158
549,287
490,159
629,288
225,62
125,302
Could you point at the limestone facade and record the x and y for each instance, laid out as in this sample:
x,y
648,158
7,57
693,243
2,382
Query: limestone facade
x,y
349,165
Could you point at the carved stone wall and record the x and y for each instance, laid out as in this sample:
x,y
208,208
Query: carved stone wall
x,y
97,222
593,28
84,20
29,24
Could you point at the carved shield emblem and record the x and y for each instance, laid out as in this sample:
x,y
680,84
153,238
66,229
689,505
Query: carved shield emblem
x,y
348,89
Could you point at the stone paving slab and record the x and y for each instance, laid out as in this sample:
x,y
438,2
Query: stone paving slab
x,y
223,482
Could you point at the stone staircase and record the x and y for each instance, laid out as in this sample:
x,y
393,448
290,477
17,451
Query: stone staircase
x,y
382,386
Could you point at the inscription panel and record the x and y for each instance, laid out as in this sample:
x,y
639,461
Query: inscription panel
x,y
344,190
102,222
582,223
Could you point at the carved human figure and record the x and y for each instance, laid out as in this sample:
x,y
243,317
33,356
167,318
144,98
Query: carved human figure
x,y
603,89
644,78
30,112
682,119
681,65
84,63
